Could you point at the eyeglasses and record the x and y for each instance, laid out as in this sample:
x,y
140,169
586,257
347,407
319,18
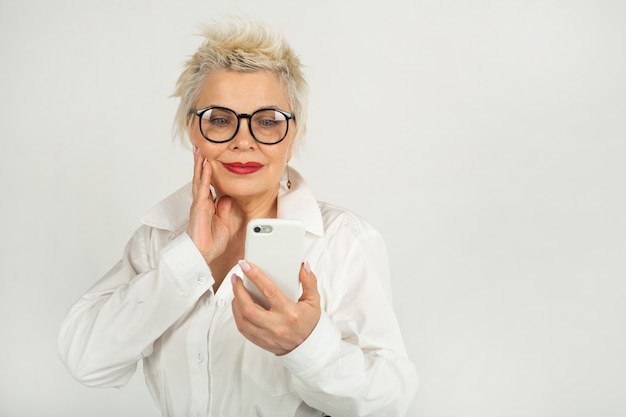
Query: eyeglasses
x,y
220,124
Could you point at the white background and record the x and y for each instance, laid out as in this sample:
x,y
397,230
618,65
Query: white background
x,y
484,139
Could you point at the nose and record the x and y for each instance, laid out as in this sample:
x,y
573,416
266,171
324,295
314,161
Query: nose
x,y
243,139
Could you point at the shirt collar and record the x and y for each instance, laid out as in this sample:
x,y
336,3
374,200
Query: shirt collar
x,y
299,203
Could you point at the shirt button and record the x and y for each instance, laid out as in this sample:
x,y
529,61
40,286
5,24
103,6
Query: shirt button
x,y
220,302
200,357
201,280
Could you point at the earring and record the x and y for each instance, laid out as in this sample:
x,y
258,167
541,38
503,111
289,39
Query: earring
x,y
288,180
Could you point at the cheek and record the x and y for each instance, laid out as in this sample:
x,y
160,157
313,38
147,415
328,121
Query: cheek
x,y
195,137
215,172
279,157
209,151
287,150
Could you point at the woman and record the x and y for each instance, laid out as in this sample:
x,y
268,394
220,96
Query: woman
x,y
176,300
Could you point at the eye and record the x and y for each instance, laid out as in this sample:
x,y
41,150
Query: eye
x,y
220,121
267,122
219,118
268,119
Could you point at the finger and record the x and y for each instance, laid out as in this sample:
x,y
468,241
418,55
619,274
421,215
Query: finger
x,y
245,310
204,186
309,283
197,168
240,292
276,298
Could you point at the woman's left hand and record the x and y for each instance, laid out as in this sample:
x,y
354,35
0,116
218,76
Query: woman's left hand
x,y
286,324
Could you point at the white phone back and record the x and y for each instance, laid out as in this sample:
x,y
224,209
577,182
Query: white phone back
x,y
276,247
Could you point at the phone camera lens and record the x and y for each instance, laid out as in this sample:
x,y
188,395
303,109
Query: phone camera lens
x,y
257,229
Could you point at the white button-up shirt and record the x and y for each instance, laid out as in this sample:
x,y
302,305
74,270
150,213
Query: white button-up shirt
x,y
157,305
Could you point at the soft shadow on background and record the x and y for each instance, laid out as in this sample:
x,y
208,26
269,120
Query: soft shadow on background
x,y
486,140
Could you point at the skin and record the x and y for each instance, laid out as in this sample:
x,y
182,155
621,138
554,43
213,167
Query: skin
x,y
218,228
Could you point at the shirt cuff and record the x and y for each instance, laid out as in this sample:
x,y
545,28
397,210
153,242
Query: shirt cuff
x,y
189,271
319,349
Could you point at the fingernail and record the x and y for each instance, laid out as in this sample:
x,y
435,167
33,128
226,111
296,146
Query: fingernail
x,y
245,266
195,149
233,279
204,163
307,266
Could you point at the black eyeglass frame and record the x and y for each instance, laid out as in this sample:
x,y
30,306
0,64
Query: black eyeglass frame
x,y
200,113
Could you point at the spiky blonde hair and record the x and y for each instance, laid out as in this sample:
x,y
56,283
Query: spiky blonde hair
x,y
240,44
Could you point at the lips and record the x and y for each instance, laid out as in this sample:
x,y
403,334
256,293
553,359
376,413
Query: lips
x,y
242,168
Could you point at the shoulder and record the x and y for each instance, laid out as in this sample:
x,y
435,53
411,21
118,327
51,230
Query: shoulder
x,y
159,227
342,221
353,255
172,213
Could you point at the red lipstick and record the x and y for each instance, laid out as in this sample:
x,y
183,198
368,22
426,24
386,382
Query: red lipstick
x,y
242,168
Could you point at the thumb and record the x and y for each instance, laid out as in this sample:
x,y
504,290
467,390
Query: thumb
x,y
309,282
222,208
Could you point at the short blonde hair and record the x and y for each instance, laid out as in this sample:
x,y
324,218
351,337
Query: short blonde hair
x,y
244,45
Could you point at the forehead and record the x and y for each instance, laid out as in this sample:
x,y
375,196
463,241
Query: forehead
x,y
243,91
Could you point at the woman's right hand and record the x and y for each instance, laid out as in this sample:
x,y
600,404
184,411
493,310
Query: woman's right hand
x,y
208,220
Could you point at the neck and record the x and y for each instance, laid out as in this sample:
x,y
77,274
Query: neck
x,y
245,209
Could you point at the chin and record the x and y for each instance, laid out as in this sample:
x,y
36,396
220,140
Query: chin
x,y
243,188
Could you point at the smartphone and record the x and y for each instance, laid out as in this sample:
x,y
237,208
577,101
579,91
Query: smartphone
x,y
276,247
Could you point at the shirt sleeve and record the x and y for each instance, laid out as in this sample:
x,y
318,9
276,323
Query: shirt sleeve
x,y
115,323
354,363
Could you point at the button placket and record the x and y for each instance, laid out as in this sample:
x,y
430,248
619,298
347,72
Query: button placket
x,y
198,354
